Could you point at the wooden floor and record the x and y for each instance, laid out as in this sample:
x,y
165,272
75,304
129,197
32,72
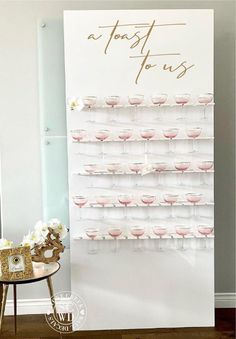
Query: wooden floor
x,y
35,326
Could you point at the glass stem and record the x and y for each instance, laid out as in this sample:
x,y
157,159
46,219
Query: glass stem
x,y
194,149
205,246
204,112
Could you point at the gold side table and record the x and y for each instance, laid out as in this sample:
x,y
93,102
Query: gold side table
x,y
40,272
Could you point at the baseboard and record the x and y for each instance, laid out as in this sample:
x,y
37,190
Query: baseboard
x,y
225,300
42,306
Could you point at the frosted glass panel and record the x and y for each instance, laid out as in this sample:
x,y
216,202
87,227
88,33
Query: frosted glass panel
x,y
55,187
53,119
51,77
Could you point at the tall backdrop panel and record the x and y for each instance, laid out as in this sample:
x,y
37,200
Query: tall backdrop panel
x,y
140,108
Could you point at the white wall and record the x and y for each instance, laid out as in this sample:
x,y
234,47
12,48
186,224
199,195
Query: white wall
x,y
19,123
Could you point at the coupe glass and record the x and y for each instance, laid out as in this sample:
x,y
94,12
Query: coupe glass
x,y
194,198
124,135
182,99
78,134
182,166
112,101
183,231
159,167
158,100
125,200
115,232
205,166
89,101
193,133
90,168
205,230
92,233
159,231
136,167
101,136
80,200
147,134
135,100
171,199
148,200
103,201
137,231
113,168
170,134
205,99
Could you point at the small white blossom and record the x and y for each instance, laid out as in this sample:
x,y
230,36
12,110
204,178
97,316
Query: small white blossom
x,y
41,228
4,244
62,230
75,104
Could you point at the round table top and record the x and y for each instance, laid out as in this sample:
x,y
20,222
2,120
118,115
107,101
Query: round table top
x,y
40,271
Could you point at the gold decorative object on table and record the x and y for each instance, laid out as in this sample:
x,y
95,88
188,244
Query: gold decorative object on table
x,y
16,263
51,243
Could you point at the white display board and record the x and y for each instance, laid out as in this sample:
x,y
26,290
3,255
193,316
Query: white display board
x,y
141,206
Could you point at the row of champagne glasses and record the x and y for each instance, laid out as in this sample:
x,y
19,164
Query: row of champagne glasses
x,y
158,99
137,167
140,231
147,134
147,200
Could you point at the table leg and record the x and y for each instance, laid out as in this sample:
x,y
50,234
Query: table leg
x,y
15,307
51,293
4,299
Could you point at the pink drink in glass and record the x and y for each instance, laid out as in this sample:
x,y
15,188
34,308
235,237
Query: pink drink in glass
x,y
171,198
102,135
159,99
114,167
148,199
136,99
125,134
103,200
80,200
114,232
112,100
147,134
92,233
137,231
78,134
182,166
194,198
193,132
205,165
205,98
89,101
136,167
159,166
205,230
170,133
90,168
182,230
125,200
159,230
182,99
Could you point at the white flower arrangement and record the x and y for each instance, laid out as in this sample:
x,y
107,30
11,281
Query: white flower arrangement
x,y
75,104
38,236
